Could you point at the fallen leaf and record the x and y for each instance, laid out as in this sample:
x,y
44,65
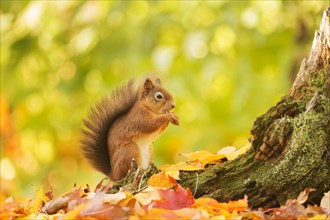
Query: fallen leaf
x,y
212,205
49,194
97,208
114,199
138,210
8,209
189,166
206,204
238,152
239,205
318,217
75,212
38,201
174,198
174,170
101,187
56,204
75,198
104,211
290,210
164,167
227,150
191,213
204,156
158,213
315,210
129,201
325,202
303,196
90,195
147,196
161,179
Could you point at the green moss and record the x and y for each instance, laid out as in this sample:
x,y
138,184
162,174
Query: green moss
x,y
320,80
133,181
304,165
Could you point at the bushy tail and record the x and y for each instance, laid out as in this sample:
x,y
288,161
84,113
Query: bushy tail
x,y
99,121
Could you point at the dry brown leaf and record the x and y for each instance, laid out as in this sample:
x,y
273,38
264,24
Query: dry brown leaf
x,y
303,196
325,202
55,205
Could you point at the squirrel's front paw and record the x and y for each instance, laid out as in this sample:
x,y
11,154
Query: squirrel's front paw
x,y
174,118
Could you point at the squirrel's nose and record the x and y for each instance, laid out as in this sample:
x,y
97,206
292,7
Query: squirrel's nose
x,y
173,105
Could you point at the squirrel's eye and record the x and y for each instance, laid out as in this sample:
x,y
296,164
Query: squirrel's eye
x,y
159,96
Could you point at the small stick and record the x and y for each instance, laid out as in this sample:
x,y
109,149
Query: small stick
x,y
196,187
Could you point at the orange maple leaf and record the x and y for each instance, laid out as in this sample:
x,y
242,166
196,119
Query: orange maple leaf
x,y
161,179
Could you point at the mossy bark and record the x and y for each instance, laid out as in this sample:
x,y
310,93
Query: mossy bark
x,y
290,143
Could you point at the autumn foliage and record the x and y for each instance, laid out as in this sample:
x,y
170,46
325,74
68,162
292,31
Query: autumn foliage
x,y
161,198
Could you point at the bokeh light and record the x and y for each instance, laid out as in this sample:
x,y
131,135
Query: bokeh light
x,y
225,63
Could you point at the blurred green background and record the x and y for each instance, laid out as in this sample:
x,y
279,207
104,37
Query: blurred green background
x,y
225,62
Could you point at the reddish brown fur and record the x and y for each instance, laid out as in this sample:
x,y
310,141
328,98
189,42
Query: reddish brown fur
x,y
131,134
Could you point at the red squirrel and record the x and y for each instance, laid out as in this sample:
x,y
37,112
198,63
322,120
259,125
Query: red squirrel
x,y
122,127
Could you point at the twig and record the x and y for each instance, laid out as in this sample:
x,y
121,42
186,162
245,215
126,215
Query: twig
x,y
141,180
196,187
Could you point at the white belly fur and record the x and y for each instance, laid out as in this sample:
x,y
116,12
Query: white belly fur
x,y
144,144
145,157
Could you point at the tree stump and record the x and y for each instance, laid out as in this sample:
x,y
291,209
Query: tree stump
x,y
290,142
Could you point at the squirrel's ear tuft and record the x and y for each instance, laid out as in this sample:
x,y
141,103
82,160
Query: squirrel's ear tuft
x,y
148,85
158,81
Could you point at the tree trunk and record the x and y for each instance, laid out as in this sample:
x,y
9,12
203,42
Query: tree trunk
x,y
290,143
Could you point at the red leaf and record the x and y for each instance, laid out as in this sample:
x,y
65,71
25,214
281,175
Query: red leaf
x,y
174,199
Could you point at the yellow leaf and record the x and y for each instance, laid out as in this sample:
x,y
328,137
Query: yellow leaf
x,y
133,217
74,213
164,167
161,179
196,155
204,156
41,216
317,217
214,207
128,200
40,198
188,166
173,170
175,174
212,158
238,152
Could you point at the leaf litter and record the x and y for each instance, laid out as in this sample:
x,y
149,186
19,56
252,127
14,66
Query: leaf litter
x,y
163,198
